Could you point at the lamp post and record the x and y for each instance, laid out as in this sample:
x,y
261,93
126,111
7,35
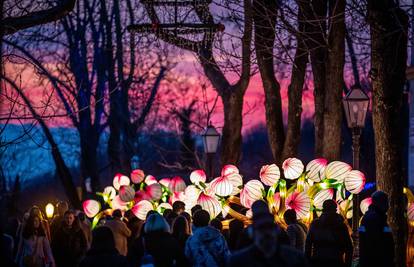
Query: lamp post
x,y
49,209
211,139
355,106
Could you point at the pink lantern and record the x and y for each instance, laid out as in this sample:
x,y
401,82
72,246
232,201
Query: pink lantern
x,y
177,184
177,196
154,191
126,193
337,170
164,206
252,191
120,180
346,207
149,180
321,196
292,168
237,181
316,169
141,195
410,212
137,176
300,202
269,174
209,204
91,207
198,176
109,192
229,169
118,204
222,186
249,214
355,181
141,209
364,205
276,201
165,182
191,193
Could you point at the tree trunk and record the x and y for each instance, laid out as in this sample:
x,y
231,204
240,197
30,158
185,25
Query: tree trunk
x,y
334,81
389,26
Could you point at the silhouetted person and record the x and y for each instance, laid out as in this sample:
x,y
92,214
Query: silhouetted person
x,y
235,231
328,242
85,226
265,250
120,231
207,246
61,208
216,223
376,244
296,232
180,230
178,208
195,208
103,252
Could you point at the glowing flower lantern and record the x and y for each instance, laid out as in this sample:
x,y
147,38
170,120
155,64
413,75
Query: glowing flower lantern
x,y
316,169
177,196
229,169
149,180
141,195
292,168
276,202
164,206
249,213
141,209
300,202
49,209
337,170
355,181
321,196
410,212
165,182
269,174
118,204
120,180
109,193
365,203
191,193
177,184
126,193
137,176
237,181
222,186
210,204
91,207
154,191
252,191
198,176
346,208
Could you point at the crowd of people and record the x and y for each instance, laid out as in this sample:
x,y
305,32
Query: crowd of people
x,y
176,238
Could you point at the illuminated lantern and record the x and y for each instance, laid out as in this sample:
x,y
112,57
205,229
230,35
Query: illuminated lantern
x,y
141,209
365,203
252,191
177,184
337,170
346,208
276,201
141,195
49,209
355,181
229,169
237,181
222,186
300,202
126,193
149,180
109,192
91,207
410,212
164,206
165,182
154,191
316,169
198,176
321,196
249,213
118,204
269,174
209,204
292,168
137,176
177,196
120,180
191,193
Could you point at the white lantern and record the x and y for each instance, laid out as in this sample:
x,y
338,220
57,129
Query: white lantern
x,y
292,168
237,181
177,184
120,180
355,181
177,196
126,193
141,209
337,170
316,169
191,193
165,182
252,191
149,180
209,204
365,203
109,192
91,207
198,176
321,196
299,202
229,169
137,176
269,174
222,186
118,204
154,191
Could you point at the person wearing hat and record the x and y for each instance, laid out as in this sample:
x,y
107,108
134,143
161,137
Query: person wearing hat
x,y
328,242
266,250
376,244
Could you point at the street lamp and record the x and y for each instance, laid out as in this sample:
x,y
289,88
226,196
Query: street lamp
x,y
356,106
211,139
50,209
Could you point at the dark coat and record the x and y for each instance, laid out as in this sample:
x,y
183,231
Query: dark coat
x,y
68,246
328,241
284,257
104,258
376,244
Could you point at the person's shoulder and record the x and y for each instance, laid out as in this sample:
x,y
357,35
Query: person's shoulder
x,y
292,255
240,257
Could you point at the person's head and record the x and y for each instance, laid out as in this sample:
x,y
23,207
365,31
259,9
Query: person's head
x,y
201,218
380,201
178,207
329,206
216,223
236,227
117,214
166,213
69,218
33,227
35,211
187,216
156,223
102,239
195,209
62,207
290,216
149,213
265,231
180,226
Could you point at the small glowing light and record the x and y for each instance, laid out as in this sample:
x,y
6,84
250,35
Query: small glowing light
x,y
50,209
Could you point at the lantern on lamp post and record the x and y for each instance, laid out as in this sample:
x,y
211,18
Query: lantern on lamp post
x,y
356,106
211,139
49,209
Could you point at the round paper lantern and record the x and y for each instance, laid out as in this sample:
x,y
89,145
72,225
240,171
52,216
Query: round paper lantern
x,y
355,181
177,196
120,180
110,192
164,206
252,191
165,182
229,169
222,186
337,170
154,191
191,193
91,207
237,181
141,209
269,174
292,168
209,204
316,169
364,205
177,184
300,202
348,211
118,204
149,180
137,176
198,176
321,196
141,195
410,212
126,193
249,213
